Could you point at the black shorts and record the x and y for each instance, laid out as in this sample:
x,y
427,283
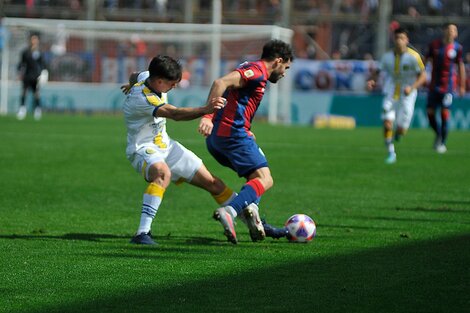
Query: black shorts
x,y
439,100
30,84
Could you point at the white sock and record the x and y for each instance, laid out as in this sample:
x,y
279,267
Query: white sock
x,y
390,146
145,224
149,209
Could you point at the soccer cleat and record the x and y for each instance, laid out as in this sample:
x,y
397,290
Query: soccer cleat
x,y
37,113
225,218
253,222
21,113
391,158
274,232
143,239
441,148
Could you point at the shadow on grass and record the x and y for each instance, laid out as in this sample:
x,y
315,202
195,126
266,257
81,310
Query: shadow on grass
x,y
70,236
437,210
430,276
100,237
454,202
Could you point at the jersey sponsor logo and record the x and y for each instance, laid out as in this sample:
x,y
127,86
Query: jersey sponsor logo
x,y
249,73
451,53
150,151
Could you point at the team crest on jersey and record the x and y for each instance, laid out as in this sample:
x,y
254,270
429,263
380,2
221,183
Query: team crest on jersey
x,y
451,53
249,73
150,151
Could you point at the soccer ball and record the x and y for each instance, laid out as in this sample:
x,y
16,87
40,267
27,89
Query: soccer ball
x,y
301,228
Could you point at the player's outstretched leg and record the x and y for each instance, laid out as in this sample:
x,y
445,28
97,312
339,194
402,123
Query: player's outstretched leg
x,y
225,217
253,221
274,232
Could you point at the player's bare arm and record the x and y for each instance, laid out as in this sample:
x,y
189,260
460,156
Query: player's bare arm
x,y
132,81
372,80
231,80
463,78
186,114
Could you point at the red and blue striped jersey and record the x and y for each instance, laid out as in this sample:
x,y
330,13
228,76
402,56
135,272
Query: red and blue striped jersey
x,y
234,120
445,60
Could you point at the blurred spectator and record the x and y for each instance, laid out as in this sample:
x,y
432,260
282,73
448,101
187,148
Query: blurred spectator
x,y
274,12
140,51
336,55
368,57
435,7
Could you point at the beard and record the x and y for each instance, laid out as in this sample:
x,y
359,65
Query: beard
x,y
274,77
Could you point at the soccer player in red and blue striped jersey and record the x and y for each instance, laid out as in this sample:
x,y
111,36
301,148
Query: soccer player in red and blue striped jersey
x,y
447,63
230,140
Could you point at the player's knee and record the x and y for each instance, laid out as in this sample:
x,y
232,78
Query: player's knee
x,y
388,125
159,173
267,182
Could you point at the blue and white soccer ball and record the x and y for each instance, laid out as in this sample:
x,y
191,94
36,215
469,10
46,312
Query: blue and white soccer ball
x,y
301,228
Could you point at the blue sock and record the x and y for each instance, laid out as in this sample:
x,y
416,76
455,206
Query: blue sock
x,y
246,196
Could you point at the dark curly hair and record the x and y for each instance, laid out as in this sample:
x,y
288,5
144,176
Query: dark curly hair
x,y
277,49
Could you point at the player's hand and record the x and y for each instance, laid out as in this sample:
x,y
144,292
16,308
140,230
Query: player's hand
x,y
370,85
205,126
217,103
126,88
407,90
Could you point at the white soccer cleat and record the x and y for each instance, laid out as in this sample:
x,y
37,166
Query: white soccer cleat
x,y
441,148
391,158
37,114
224,216
21,113
252,220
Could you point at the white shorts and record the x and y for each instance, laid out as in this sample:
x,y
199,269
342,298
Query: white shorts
x,y
400,110
183,163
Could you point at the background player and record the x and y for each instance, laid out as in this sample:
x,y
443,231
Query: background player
x,y
31,65
445,55
404,74
152,152
230,140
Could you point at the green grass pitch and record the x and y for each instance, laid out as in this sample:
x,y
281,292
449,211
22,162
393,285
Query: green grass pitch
x,y
390,238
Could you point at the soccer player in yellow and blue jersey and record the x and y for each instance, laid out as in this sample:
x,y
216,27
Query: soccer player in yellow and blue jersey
x,y
404,74
152,152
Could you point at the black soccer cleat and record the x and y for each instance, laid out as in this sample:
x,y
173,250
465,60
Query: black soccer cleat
x,y
143,239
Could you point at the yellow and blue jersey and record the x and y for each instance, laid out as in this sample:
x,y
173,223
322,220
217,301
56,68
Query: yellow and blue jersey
x,y
143,127
401,70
